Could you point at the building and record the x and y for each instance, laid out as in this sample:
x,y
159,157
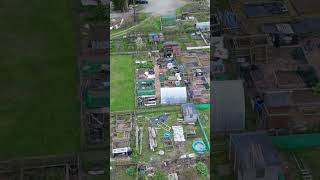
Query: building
x,y
190,113
173,95
294,110
171,48
228,100
203,25
254,157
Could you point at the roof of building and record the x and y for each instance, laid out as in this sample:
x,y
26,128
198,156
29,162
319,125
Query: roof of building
x,y
203,25
170,43
308,25
178,134
189,109
228,106
255,150
277,99
173,95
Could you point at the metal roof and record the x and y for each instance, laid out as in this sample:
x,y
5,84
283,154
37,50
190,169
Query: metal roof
x,y
189,109
228,106
265,154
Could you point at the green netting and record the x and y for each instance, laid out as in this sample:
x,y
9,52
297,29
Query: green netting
x,y
92,67
202,106
220,77
162,77
204,134
145,81
96,100
146,92
298,141
168,20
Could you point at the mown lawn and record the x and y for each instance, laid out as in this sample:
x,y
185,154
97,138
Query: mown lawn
x,y
39,111
121,83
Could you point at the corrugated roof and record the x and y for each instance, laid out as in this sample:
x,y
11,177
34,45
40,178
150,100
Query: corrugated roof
x,y
243,144
228,106
188,109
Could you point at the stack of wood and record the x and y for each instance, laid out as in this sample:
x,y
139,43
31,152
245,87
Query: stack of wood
x,y
152,138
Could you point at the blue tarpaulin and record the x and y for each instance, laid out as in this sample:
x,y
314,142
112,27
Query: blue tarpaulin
x,y
308,25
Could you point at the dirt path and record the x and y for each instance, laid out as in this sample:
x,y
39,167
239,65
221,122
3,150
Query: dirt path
x,y
157,81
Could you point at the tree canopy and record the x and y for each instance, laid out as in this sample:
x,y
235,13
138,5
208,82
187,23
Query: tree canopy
x,y
120,4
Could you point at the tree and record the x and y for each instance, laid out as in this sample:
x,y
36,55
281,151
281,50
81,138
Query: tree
x,y
101,12
121,5
202,169
140,44
316,89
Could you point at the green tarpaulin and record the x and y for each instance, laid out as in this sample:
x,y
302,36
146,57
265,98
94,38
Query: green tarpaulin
x,y
298,141
202,106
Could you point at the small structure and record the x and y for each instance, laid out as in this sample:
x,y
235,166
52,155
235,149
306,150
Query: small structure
x,y
167,22
156,37
190,131
178,135
173,95
121,152
228,106
190,113
171,48
296,110
256,48
202,26
253,156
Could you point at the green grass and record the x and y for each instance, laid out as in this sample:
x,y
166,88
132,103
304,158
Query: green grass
x,y
312,159
143,121
40,111
122,83
150,25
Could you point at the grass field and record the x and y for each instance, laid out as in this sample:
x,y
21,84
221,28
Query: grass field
x,y
39,112
121,83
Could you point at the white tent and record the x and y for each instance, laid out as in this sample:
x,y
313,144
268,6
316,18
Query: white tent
x,y
173,95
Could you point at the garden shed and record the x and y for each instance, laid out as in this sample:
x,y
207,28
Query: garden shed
x,y
190,113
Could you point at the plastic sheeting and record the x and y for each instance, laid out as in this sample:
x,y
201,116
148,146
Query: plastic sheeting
x,y
173,95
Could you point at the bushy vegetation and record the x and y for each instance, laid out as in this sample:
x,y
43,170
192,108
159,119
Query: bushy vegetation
x,y
202,169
